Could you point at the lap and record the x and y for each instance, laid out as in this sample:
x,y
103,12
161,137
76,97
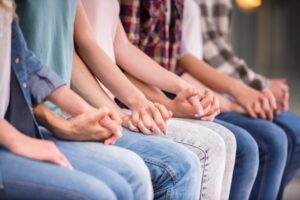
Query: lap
x,y
121,160
160,154
290,122
262,130
28,179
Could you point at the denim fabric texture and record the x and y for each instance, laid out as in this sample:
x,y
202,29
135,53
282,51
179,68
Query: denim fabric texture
x,y
273,147
175,171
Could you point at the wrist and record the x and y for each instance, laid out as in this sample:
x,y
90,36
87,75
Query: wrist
x,y
63,129
235,87
137,102
182,85
14,142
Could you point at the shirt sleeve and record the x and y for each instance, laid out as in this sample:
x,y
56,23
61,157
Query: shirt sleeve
x,y
41,80
218,52
42,83
130,17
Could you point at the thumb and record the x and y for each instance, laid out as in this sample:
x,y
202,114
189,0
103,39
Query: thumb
x,y
187,93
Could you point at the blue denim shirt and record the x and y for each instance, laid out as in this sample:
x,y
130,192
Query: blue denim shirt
x,y
37,81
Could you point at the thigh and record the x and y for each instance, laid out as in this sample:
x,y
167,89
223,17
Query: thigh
x,y
120,160
210,148
226,135
199,139
166,160
28,179
290,123
268,135
131,176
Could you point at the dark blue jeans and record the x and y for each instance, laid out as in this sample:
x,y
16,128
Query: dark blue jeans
x,y
246,164
273,149
290,123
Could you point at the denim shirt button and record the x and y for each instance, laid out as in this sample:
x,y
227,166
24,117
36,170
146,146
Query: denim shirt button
x,y
17,60
24,85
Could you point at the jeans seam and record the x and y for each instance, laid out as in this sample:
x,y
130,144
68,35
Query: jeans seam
x,y
205,164
45,188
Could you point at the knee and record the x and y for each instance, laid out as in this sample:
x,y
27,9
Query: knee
x,y
275,139
247,149
185,166
216,148
100,192
229,139
137,174
87,188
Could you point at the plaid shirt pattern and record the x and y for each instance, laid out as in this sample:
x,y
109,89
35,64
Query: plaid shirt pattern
x,y
217,49
145,22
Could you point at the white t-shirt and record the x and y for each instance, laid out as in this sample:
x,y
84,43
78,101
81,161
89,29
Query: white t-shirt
x,y
103,16
191,30
5,51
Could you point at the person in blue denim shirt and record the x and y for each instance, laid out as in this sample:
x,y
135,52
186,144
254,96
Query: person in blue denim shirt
x,y
25,160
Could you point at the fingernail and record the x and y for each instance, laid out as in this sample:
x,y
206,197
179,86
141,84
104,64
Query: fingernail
x,y
120,133
166,131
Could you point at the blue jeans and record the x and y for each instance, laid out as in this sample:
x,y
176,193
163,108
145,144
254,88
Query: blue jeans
x,y
290,123
175,171
101,172
273,144
246,164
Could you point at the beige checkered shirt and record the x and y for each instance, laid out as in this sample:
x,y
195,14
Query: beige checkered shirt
x,y
217,48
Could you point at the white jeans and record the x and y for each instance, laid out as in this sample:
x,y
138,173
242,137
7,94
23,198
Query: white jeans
x,y
216,148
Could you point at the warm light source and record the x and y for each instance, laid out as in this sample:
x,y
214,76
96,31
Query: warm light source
x,y
248,4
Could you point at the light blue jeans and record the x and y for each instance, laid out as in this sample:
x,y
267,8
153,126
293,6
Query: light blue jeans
x,y
175,171
101,172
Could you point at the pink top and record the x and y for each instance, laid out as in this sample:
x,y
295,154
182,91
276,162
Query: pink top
x,y
104,16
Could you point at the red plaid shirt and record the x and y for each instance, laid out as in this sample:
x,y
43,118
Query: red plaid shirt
x,y
145,22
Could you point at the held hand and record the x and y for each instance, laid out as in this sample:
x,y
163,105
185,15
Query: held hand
x,y
192,103
186,104
257,104
227,105
150,118
280,90
40,150
113,123
211,105
127,123
98,125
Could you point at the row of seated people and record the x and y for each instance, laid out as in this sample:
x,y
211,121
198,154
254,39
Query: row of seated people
x,y
137,99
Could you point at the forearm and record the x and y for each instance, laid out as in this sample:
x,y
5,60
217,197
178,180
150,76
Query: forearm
x,y
104,69
143,67
47,118
9,136
69,101
90,89
208,75
152,93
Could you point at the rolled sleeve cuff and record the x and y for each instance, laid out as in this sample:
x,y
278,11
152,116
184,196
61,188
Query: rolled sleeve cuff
x,y
42,84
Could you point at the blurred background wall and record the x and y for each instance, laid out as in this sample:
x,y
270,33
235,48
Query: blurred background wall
x,y
268,38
